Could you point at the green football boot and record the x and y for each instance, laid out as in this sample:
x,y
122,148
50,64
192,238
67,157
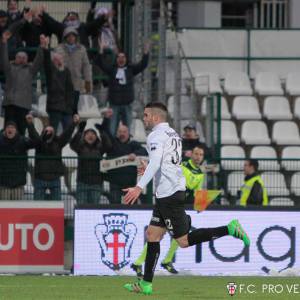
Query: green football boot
x,y
236,230
140,286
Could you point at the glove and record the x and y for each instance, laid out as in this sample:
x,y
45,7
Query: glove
x,y
87,87
81,125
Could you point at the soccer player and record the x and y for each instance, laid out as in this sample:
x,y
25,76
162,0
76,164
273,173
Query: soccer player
x,y
164,148
194,181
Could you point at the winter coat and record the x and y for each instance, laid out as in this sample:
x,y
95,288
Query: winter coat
x,y
18,88
60,91
122,94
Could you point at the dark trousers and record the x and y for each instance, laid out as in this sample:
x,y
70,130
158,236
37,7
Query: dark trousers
x,y
56,117
17,115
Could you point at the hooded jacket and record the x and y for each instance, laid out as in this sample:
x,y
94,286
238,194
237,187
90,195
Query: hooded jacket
x,y
76,60
121,94
89,156
48,161
13,158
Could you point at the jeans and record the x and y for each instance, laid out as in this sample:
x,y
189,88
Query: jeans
x,y
120,113
88,193
55,117
41,186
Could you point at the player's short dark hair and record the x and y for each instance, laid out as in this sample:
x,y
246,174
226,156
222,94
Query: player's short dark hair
x,y
254,163
158,105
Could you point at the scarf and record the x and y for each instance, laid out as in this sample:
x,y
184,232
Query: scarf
x,y
121,77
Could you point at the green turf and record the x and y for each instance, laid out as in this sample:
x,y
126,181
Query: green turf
x,y
173,288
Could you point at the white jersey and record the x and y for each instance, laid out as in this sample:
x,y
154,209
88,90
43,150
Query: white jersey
x,y
164,148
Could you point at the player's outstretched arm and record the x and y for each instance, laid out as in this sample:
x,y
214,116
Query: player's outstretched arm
x,y
132,194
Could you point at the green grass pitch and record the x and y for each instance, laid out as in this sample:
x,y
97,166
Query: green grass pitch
x,y
173,288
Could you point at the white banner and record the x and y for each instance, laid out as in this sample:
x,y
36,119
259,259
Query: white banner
x,y
120,162
108,241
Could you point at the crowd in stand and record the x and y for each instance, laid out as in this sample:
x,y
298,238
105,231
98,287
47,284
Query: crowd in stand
x,y
68,71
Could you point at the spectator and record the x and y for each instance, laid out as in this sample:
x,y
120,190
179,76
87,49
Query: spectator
x,y
18,89
121,85
121,178
72,20
48,162
90,145
190,140
60,91
13,169
13,12
76,60
253,190
14,41
106,33
193,173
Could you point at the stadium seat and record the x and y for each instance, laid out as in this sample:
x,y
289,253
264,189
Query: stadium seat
x,y
69,157
275,184
138,131
64,188
207,83
255,133
297,108
278,201
277,108
88,107
267,153
295,184
293,83
69,204
1,123
186,108
28,188
246,108
225,114
31,157
229,133
232,152
268,83
234,182
286,133
41,106
291,152
237,83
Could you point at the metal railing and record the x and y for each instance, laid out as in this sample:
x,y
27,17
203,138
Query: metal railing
x,y
74,180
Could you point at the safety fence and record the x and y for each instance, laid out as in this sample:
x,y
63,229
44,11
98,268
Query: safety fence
x,y
99,181
74,180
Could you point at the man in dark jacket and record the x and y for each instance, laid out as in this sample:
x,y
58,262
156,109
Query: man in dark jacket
x,y
72,20
120,178
121,85
48,162
60,91
90,145
190,140
13,159
18,89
